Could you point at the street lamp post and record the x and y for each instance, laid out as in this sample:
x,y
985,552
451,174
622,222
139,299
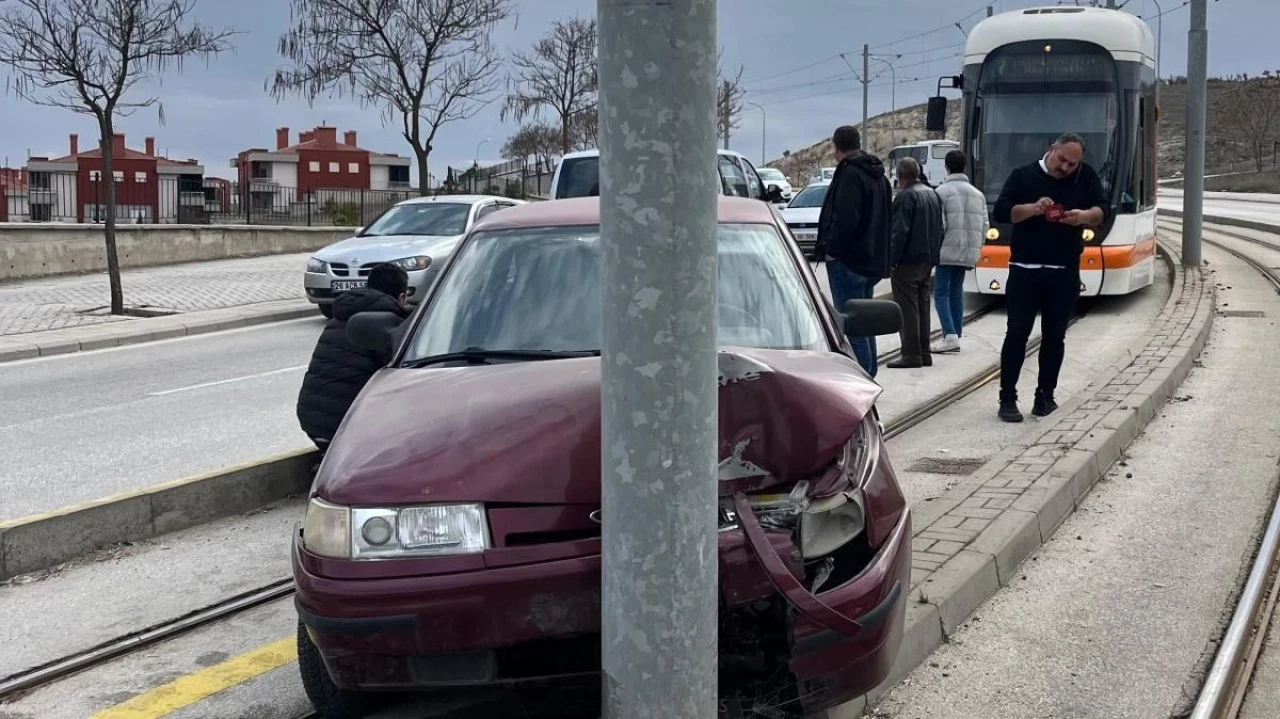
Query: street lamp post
x,y
659,370
764,130
475,163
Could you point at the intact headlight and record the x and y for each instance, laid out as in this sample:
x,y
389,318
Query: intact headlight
x,y
421,262
386,533
315,265
821,526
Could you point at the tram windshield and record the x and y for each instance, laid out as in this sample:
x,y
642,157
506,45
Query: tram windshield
x,y
1028,99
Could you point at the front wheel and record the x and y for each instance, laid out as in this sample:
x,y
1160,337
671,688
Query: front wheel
x,y
330,701
327,311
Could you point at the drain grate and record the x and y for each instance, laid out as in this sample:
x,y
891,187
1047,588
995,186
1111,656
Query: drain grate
x,y
1255,314
947,465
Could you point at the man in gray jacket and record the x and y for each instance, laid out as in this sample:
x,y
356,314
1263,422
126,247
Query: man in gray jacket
x,y
915,242
965,223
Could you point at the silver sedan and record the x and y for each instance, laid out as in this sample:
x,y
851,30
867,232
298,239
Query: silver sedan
x,y
418,235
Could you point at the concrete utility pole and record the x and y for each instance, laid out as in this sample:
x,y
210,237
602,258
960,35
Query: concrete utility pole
x,y
1197,100
764,131
866,82
659,369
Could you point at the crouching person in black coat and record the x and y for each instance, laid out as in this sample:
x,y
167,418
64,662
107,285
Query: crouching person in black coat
x,y
338,369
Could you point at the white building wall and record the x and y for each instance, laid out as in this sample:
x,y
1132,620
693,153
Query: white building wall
x,y
286,176
379,177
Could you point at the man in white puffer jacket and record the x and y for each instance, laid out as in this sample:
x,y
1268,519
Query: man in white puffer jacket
x,y
965,223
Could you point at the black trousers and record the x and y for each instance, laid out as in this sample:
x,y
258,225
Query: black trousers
x,y
913,291
1052,294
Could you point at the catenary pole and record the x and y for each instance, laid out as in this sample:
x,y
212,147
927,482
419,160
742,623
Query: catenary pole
x,y
866,83
659,371
1197,95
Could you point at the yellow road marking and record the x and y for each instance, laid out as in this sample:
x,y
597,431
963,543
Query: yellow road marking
x,y
189,689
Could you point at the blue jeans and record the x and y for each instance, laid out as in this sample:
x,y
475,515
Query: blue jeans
x,y
849,285
948,297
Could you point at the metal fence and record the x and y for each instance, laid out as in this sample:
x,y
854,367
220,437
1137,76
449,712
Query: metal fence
x,y
520,179
147,198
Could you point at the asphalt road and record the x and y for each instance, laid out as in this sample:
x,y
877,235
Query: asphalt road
x,y
82,426
1252,206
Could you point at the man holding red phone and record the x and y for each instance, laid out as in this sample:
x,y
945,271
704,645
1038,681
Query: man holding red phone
x,y
1048,202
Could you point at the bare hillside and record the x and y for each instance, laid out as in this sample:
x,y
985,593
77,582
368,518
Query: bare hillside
x,y
1227,147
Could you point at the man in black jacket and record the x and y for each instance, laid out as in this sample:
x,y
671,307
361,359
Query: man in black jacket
x,y
1049,202
916,241
339,370
853,231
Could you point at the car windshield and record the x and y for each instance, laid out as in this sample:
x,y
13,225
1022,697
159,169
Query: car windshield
x,y
771,174
538,289
811,196
421,218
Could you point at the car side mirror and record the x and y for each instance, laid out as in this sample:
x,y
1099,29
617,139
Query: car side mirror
x,y
936,114
375,331
869,318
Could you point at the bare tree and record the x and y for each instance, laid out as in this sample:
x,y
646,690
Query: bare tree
x,y
538,141
86,55
729,96
558,73
1256,114
584,128
427,62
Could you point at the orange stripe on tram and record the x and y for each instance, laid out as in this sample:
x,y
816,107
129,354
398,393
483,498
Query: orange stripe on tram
x,y
1117,257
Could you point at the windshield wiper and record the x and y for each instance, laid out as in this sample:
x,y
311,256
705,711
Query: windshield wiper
x,y
477,355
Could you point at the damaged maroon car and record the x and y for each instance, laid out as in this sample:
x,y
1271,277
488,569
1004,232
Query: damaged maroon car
x,y
452,537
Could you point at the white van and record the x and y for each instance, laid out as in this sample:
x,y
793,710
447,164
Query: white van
x,y
930,154
578,175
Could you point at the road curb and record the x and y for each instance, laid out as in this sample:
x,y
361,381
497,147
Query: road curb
x,y
40,541
149,329
965,552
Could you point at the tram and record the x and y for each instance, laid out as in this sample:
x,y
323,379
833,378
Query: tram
x,y
1030,75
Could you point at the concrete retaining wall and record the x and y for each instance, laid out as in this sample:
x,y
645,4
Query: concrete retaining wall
x,y
44,249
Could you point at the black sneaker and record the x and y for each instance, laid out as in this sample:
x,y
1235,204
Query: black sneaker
x,y
1009,411
1044,404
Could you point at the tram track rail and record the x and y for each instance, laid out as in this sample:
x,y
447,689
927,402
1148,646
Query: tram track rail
x,y
1227,683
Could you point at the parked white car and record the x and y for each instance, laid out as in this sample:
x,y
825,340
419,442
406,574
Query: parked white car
x,y
801,214
578,175
418,234
773,176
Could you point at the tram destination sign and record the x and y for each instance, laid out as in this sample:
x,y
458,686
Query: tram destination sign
x,y
1043,66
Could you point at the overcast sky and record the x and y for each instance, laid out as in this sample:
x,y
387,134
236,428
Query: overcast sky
x,y
789,49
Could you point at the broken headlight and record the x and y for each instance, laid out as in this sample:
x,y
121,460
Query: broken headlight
x,y
822,525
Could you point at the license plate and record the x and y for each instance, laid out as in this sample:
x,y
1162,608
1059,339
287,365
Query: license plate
x,y
344,285
806,235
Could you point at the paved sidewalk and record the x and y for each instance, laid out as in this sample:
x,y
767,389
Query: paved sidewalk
x,y
61,302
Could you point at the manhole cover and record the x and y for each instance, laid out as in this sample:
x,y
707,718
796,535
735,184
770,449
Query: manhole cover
x,y
1243,313
947,465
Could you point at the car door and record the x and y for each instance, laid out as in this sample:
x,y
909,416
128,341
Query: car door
x,y
755,185
734,176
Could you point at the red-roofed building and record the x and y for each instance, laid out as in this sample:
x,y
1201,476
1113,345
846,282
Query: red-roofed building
x,y
13,188
317,161
149,187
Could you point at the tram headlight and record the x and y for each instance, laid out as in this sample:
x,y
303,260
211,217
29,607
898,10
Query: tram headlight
x,y
993,234
1087,234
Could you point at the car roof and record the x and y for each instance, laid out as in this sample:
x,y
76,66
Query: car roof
x,y
586,211
457,199
818,183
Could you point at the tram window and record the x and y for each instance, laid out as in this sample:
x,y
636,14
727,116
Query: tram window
x,y
1132,199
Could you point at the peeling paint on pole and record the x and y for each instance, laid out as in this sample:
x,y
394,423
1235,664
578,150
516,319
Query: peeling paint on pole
x,y
658,194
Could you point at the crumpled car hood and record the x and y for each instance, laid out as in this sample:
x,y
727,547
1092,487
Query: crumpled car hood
x,y
529,432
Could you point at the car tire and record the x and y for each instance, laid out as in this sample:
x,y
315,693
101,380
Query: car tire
x,y
327,311
330,701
